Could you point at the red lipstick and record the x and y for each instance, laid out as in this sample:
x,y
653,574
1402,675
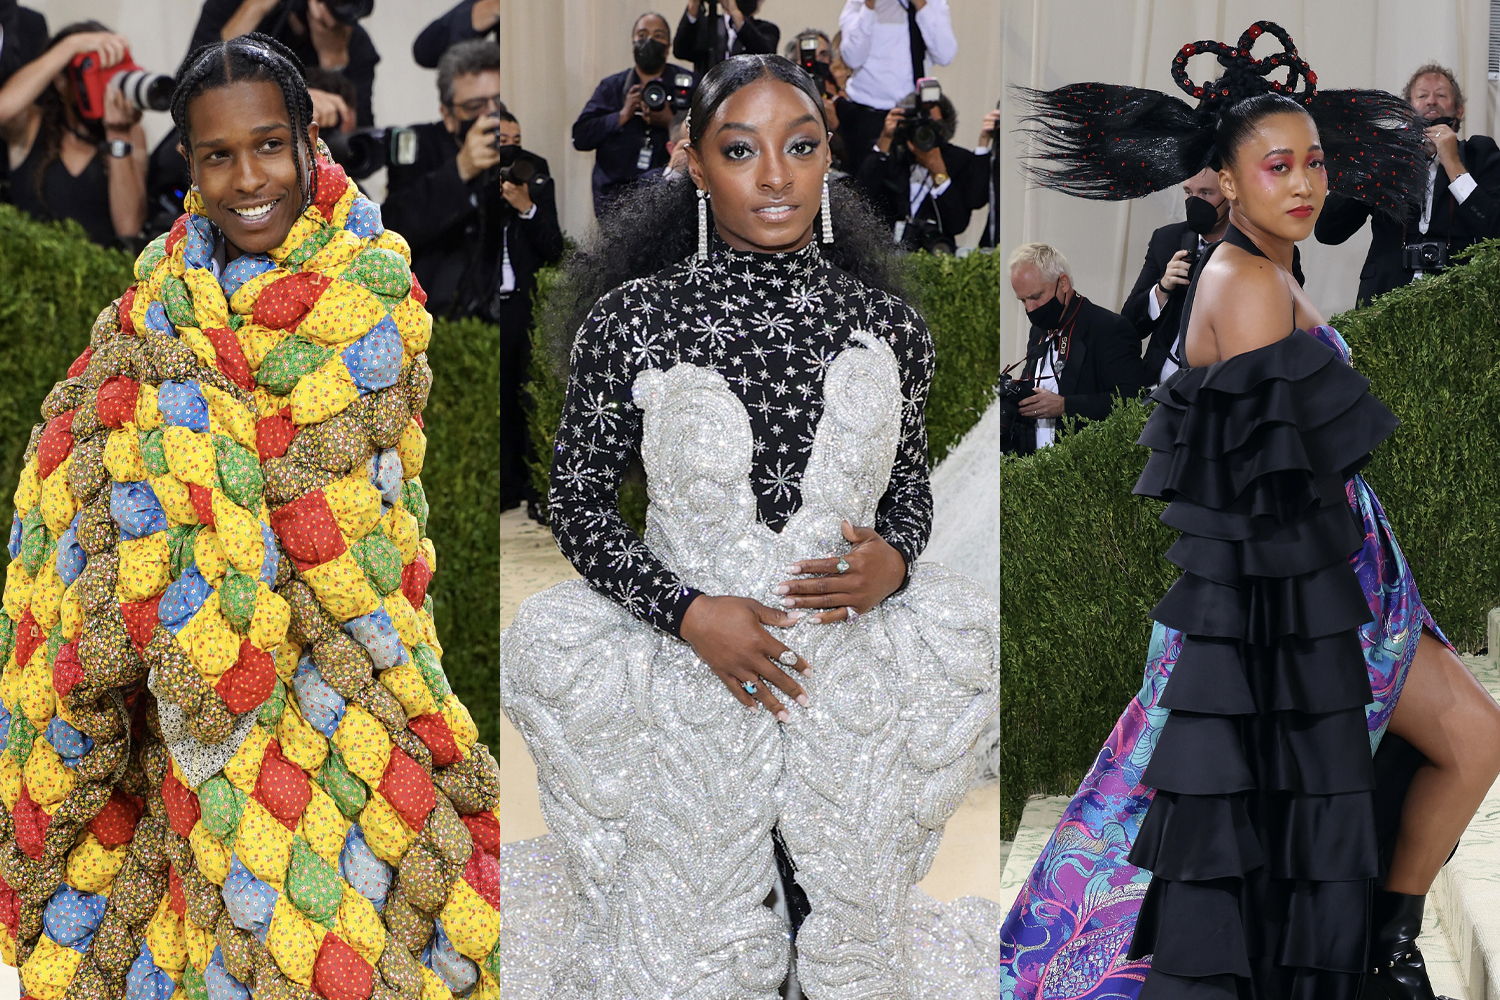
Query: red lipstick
x,y
1301,212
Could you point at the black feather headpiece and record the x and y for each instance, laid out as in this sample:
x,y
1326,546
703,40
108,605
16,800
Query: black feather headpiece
x,y
1112,143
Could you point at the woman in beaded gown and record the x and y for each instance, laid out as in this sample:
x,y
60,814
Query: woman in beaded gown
x,y
232,766
1235,838
768,675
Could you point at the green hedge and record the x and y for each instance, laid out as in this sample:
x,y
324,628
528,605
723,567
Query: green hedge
x,y
53,282
1083,559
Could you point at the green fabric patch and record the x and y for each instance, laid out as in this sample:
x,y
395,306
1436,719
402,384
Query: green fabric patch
x,y
153,452
239,473
288,361
192,986
221,804
180,541
272,707
378,556
312,885
22,732
236,321
414,499
432,671
383,272
155,253
178,302
343,786
237,600
7,638
35,545
493,963
309,247
54,643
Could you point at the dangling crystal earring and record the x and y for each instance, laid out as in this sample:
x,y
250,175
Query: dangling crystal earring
x,y
827,215
702,224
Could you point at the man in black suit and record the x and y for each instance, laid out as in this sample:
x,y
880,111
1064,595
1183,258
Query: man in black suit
x,y
1462,204
1079,356
736,31
926,196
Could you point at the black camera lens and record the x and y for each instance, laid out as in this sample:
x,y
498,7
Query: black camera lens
x,y
925,137
655,95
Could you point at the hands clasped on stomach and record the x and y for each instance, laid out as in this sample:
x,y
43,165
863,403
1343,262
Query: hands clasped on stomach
x,y
729,633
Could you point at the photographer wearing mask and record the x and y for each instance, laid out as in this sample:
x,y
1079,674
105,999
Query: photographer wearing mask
x,y
735,31
64,165
924,185
1462,203
627,137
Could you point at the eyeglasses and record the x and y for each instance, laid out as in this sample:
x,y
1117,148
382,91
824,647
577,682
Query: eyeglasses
x,y
477,106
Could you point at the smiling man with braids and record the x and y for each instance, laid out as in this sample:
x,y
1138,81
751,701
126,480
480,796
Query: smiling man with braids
x,y
224,717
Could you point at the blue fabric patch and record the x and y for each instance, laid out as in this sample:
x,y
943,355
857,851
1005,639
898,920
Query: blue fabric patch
x,y
385,475
321,705
69,743
182,599
4,728
242,269
156,319
198,244
134,507
374,360
70,555
452,968
369,876
249,901
14,545
145,981
375,632
72,917
364,218
182,405
219,983
271,564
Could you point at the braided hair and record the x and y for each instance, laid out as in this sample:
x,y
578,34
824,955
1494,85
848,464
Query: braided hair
x,y
1113,143
249,57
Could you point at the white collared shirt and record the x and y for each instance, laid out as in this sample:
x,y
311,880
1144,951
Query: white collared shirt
x,y
508,273
728,23
1460,189
877,45
1153,309
1046,378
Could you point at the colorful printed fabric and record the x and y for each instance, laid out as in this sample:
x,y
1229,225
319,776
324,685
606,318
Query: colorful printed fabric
x,y
216,599
1069,930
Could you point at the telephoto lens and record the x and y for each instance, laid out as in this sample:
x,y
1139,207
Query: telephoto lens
x,y
146,90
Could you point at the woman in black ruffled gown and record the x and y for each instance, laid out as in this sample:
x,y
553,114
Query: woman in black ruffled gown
x,y
1261,836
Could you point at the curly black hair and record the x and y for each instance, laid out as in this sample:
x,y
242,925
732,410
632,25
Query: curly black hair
x,y
654,225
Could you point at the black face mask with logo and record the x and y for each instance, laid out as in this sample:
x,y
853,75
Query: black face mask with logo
x,y
1202,215
650,55
1048,315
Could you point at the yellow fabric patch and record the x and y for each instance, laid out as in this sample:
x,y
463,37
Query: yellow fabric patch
x,y
408,628
410,688
257,341
344,313
58,506
50,969
287,655
386,832
37,698
71,613
10,782
122,455
17,590
239,534
200,345
430,551
324,827
323,393
362,742
92,867
28,489
147,292
471,924
145,567
244,767
272,616
360,926
211,645
200,944
208,553
164,937
460,721
7,946
147,416
401,528
414,323
486,988
293,941
340,250
191,457
301,743
342,588
267,405
339,217
308,223
262,843
243,300
209,306
48,779
211,856
392,240
433,987
175,500
46,596
355,503
236,420
412,447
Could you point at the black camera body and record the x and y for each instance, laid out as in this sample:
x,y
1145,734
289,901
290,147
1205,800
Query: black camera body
x,y
517,169
1012,424
820,71
1431,255
917,125
676,94
366,150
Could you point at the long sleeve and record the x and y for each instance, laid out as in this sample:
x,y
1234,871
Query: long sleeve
x,y
211,20
600,428
422,206
936,22
542,231
1137,310
685,43
904,516
857,22
1340,219
599,118
1480,208
759,37
1117,357
455,26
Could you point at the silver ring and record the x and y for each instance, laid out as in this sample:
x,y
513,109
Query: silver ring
x,y
787,658
749,687
843,566
852,613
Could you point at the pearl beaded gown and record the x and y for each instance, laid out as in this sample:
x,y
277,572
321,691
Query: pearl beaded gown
x,y
769,397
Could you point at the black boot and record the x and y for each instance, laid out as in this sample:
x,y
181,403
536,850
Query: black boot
x,y
1397,971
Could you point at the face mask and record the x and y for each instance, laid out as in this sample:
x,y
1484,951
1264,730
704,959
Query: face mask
x,y
1202,215
1443,120
1048,315
650,55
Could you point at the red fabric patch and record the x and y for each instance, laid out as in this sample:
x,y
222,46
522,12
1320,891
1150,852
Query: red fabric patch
x,y
28,637
433,731
203,504
31,824
417,291
115,823
231,360
123,305
273,434
250,681
141,619
485,829
415,576
408,789
80,363
483,874
418,418
177,233
10,905
282,304
67,669
56,444
340,973
308,532
332,181
182,805
115,400
178,900
282,787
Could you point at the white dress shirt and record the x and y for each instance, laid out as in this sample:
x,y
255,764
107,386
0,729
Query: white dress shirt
x,y
876,44
508,273
1153,309
1046,378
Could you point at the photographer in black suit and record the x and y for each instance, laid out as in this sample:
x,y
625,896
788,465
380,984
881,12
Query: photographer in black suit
x,y
734,31
1462,205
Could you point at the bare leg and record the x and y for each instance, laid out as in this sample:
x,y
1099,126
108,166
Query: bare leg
x,y
1448,715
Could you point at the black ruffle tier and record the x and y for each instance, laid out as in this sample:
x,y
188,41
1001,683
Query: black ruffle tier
x,y
1261,836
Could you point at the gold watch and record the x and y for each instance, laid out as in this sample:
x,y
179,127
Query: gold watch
x,y
938,180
